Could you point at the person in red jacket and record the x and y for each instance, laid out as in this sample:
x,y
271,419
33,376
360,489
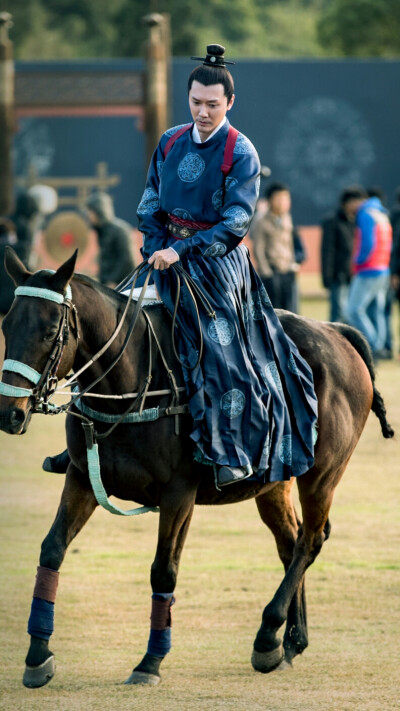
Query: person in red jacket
x,y
371,260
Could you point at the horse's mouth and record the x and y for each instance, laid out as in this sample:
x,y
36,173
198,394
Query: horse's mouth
x,y
15,421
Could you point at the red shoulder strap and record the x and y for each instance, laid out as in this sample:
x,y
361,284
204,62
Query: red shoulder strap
x,y
175,137
229,148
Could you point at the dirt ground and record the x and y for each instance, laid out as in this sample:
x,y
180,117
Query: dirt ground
x,y
229,571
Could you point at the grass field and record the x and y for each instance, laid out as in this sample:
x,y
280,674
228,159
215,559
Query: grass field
x,y
229,571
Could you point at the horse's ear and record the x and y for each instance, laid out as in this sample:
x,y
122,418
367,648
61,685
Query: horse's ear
x,y
14,267
63,275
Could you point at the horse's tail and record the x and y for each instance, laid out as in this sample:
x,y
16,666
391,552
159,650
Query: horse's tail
x,y
361,345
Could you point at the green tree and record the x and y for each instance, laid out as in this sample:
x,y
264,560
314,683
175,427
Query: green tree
x,y
361,28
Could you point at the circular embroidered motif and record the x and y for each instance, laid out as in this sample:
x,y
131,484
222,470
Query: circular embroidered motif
x,y
191,167
232,403
255,306
174,129
243,145
236,218
217,196
216,250
149,202
182,213
272,374
221,331
285,449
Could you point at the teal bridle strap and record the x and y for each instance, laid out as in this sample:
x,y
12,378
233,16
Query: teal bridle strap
x,y
15,366
44,293
14,391
100,492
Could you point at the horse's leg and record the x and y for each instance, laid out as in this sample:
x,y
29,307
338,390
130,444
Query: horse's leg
x,y
176,508
277,512
316,498
76,506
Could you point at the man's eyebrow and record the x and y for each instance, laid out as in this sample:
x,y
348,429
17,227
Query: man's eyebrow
x,y
208,101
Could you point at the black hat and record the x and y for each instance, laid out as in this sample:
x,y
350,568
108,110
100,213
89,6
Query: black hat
x,y
215,56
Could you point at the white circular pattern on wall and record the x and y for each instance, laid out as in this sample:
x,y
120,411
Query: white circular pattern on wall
x,y
191,167
323,145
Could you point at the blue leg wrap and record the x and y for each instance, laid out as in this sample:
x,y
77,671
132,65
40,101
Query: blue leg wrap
x,y
159,643
41,620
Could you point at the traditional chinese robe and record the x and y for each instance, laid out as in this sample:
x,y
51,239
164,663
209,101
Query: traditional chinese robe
x,y
252,398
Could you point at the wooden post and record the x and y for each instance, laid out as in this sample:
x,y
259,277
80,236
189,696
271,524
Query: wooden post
x,y
6,113
157,55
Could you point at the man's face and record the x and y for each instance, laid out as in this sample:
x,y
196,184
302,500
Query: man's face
x,y
280,202
208,106
351,207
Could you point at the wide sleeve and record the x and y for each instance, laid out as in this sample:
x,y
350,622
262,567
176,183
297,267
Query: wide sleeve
x,y
242,187
150,216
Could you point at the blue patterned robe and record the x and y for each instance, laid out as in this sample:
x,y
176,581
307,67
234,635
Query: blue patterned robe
x,y
252,399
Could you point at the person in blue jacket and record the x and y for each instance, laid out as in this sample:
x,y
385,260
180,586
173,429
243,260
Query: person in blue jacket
x,y
251,397
194,213
371,262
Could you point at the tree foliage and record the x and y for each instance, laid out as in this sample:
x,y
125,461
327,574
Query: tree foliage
x,y
363,28
58,29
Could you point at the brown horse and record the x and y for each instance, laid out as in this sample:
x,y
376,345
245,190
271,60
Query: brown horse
x,y
149,463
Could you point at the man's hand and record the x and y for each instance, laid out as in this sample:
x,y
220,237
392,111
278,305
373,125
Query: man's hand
x,y
163,258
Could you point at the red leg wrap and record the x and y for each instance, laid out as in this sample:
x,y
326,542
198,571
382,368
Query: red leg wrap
x,y
46,584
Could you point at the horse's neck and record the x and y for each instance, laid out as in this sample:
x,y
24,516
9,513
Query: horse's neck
x,y
99,313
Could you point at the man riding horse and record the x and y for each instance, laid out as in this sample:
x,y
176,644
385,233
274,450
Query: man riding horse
x,y
251,398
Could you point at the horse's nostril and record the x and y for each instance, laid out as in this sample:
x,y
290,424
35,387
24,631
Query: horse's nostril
x,y
17,417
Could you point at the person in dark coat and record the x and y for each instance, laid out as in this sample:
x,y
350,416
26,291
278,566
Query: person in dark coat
x,y
17,231
278,249
395,258
338,231
114,238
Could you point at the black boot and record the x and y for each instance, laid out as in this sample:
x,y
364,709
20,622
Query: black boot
x,y
229,475
57,464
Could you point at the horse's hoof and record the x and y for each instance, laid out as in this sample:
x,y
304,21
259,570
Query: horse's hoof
x,y
139,677
265,662
41,675
285,665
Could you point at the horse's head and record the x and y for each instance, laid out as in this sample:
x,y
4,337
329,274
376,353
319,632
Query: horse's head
x,y
39,349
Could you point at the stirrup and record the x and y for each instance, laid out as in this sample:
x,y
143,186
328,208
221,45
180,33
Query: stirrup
x,y
229,475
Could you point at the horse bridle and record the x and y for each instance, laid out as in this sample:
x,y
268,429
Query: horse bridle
x,y
44,383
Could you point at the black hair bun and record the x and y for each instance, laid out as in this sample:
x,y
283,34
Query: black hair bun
x,y
216,49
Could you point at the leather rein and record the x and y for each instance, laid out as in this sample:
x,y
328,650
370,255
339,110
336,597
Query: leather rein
x,y
46,383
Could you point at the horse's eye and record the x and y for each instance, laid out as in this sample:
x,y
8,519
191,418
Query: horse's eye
x,y
50,336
